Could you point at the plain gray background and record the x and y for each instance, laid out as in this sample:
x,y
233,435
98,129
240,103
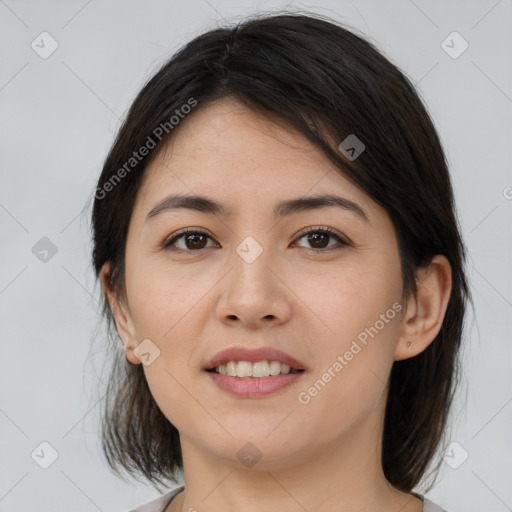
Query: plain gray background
x,y
59,116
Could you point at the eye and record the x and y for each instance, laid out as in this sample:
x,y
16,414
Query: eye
x,y
195,240
319,236
192,240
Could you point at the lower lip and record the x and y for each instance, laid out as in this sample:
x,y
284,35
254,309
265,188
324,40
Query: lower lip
x,y
247,387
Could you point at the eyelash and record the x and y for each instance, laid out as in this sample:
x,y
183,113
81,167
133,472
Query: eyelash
x,y
167,244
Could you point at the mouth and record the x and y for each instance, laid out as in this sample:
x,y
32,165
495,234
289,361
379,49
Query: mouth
x,y
256,370
253,373
253,363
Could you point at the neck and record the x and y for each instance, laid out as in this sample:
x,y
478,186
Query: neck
x,y
344,475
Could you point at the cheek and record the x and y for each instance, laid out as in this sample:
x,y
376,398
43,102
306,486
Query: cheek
x,y
350,298
359,307
163,299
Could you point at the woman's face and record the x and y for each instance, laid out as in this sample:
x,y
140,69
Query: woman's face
x,y
255,280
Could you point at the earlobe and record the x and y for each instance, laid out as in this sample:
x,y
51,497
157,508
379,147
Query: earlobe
x,y
425,312
121,314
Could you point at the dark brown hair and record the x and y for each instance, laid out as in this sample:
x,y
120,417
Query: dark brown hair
x,y
327,83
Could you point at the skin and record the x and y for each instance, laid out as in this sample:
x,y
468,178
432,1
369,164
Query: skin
x,y
324,455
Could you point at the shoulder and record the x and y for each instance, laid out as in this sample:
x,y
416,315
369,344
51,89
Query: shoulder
x,y
159,504
430,506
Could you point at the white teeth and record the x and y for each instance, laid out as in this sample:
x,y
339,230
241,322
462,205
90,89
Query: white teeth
x,y
231,368
261,369
244,369
257,369
275,368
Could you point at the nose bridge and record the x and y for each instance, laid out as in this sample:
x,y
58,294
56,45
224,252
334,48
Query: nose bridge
x,y
252,291
251,261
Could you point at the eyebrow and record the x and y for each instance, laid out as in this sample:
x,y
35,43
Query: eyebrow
x,y
282,209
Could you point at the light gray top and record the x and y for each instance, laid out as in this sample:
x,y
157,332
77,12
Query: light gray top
x,y
161,503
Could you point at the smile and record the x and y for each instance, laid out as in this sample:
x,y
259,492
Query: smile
x,y
259,369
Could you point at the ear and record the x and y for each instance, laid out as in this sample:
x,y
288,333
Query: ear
x,y
124,323
425,313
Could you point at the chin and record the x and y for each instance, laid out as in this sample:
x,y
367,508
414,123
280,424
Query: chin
x,y
259,450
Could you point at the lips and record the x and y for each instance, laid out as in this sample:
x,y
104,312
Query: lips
x,y
240,353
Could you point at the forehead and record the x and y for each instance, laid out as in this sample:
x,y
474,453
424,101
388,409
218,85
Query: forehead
x,y
227,151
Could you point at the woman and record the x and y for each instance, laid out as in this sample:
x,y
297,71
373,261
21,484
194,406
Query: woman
x,y
276,238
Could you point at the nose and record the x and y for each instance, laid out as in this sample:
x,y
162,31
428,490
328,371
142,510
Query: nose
x,y
255,293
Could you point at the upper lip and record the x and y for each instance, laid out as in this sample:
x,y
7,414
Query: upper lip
x,y
240,353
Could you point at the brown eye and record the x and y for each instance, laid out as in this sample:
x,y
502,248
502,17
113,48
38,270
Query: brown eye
x,y
196,241
319,238
191,241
